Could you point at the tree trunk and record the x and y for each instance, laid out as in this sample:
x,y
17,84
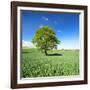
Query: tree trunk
x,y
46,52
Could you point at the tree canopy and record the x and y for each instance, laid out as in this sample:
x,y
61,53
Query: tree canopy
x,y
45,39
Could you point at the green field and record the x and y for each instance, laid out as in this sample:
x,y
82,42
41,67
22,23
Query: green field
x,y
57,63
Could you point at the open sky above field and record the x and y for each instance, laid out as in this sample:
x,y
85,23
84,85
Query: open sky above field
x,y
65,25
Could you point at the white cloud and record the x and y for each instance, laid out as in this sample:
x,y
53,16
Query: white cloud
x,y
68,45
27,44
45,18
41,26
58,30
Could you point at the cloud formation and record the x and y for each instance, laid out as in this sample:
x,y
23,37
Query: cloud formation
x,y
41,26
27,44
58,30
45,18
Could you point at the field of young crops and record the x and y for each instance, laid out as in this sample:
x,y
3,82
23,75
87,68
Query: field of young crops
x,y
34,63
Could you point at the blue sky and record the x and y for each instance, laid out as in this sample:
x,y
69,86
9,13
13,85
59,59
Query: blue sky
x,y
65,25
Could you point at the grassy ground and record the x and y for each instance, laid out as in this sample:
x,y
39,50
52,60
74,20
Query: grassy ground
x,y
58,63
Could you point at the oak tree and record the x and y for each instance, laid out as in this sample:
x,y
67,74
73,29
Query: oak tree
x,y
45,39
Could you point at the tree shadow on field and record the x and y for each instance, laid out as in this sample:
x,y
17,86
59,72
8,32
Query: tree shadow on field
x,y
55,54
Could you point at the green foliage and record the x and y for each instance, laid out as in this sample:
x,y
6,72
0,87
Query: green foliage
x,y
45,38
61,63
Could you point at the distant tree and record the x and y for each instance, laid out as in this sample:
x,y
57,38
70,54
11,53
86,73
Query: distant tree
x,y
45,39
